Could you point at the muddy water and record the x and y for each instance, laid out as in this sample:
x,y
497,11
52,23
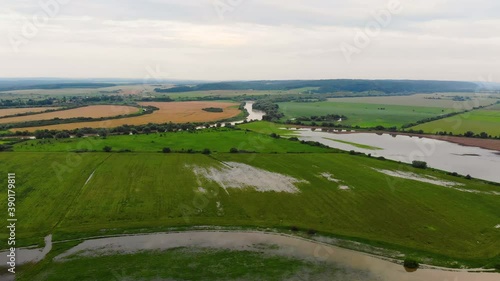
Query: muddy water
x,y
477,162
253,114
26,255
371,268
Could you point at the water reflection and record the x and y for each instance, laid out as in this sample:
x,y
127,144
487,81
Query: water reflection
x,y
439,154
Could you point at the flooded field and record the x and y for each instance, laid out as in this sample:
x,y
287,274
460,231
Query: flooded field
x,y
477,162
240,176
27,255
355,265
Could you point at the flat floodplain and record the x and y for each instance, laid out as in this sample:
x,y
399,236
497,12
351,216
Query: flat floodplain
x,y
93,194
176,112
14,111
362,114
477,121
441,100
217,140
92,111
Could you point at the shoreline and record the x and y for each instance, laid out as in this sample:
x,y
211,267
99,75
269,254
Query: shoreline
x,y
289,245
490,144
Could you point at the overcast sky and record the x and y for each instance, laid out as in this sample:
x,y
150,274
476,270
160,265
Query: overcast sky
x,y
251,39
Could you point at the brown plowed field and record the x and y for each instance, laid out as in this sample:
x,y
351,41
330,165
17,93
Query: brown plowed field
x,y
13,111
93,111
176,112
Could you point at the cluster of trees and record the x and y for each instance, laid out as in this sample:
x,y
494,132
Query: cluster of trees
x,y
411,263
457,98
271,109
4,147
158,99
419,164
62,101
205,151
26,102
482,135
96,99
426,120
121,130
328,118
213,109
468,134
430,119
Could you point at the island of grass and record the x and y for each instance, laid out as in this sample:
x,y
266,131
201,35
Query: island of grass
x,y
358,145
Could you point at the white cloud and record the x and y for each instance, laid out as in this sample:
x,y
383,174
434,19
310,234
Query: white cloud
x,y
257,39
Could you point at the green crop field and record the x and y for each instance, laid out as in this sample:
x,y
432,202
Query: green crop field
x,y
92,194
362,114
267,128
440,100
217,140
358,145
482,120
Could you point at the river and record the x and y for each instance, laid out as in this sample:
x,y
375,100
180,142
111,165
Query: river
x,y
465,160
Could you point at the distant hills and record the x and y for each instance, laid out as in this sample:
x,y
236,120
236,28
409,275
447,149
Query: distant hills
x,y
339,85
390,87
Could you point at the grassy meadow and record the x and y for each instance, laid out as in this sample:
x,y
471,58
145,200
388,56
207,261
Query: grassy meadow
x,y
481,120
440,100
363,114
217,140
267,128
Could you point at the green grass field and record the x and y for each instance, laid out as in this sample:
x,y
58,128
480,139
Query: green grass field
x,y
267,128
142,192
362,114
440,100
482,120
217,140
358,145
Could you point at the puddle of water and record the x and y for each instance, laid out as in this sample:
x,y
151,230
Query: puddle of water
x,y
239,175
437,153
376,269
26,255
416,177
330,177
